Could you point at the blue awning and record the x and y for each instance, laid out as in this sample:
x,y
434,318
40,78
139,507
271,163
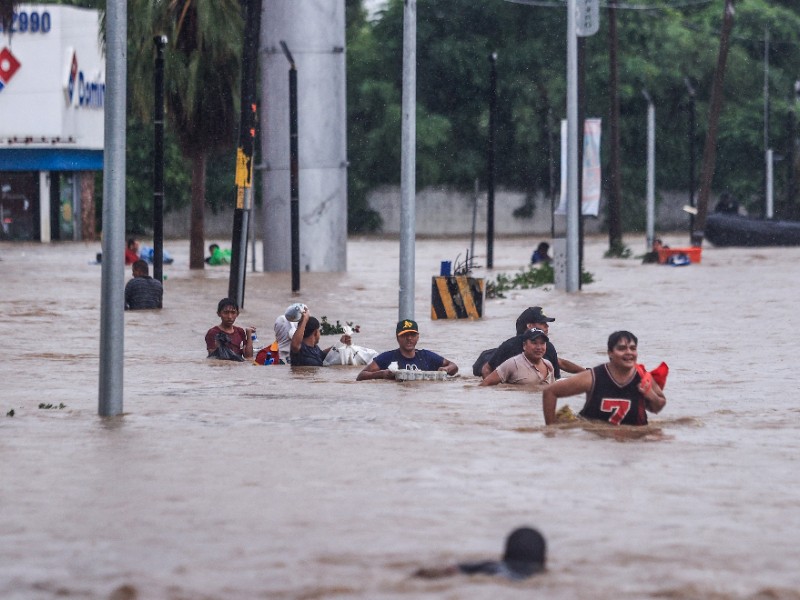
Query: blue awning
x,y
46,159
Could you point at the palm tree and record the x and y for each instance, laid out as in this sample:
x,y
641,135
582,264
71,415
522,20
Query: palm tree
x,y
202,80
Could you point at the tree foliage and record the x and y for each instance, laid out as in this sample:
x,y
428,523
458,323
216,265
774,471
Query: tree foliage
x,y
659,50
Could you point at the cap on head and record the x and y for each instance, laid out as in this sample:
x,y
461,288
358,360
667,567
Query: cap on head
x,y
534,333
405,326
532,314
525,552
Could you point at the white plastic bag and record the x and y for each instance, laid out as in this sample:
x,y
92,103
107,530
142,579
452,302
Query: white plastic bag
x,y
349,355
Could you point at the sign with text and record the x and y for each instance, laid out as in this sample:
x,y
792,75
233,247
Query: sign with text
x,y
587,20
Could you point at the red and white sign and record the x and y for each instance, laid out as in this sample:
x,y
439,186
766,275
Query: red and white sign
x,y
8,66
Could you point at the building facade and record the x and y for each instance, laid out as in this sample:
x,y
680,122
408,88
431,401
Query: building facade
x,y
52,96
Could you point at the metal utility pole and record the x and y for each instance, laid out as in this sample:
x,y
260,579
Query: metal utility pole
x,y
408,162
244,153
710,149
573,208
158,162
294,173
768,212
615,167
692,135
112,297
490,161
651,168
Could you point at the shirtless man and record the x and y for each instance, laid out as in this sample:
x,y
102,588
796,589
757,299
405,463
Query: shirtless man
x,y
616,391
530,367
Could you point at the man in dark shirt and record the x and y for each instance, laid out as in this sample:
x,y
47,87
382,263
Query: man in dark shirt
x,y
532,317
407,356
304,350
142,291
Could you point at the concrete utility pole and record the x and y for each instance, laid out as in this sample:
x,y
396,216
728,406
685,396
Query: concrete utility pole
x,y
112,297
408,160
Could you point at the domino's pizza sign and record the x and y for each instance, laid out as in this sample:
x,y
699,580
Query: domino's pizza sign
x,y
81,89
52,78
9,65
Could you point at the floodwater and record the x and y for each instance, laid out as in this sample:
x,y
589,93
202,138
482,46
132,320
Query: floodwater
x,y
232,481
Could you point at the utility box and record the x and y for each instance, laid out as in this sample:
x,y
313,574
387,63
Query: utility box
x,y
457,297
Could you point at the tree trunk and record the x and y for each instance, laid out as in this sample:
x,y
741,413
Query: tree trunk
x,y
88,225
197,226
710,149
615,176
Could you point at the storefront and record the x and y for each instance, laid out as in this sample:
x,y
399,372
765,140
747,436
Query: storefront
x,y
52,93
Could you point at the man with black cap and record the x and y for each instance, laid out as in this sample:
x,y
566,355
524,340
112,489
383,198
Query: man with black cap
x,y
525,555
406,356
529,367
531,317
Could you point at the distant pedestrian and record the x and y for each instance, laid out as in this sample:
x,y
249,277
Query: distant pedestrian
x,y
541,254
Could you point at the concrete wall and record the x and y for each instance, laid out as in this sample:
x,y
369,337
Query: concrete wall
x,y
441,211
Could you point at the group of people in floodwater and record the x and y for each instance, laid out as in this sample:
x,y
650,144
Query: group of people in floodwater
x,y
620,391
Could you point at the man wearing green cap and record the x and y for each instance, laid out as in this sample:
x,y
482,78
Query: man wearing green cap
x,y
406,356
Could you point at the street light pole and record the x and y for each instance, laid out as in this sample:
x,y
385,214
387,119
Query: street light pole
x,y
294,174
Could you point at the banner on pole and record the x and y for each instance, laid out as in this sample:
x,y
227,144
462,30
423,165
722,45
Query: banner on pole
x,y
592,174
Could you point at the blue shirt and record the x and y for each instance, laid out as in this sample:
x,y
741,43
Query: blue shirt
x,y
424,360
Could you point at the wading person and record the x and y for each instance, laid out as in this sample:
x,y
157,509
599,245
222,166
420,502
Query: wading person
x,y
529,367
406,356
142,292
226,340
304,350
617,391
530,318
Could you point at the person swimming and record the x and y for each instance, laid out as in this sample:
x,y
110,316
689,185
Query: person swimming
x,y
524,556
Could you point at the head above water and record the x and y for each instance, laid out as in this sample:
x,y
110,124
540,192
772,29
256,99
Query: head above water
x,y
525,552
621,336
140,268
227,303
532,314
311,326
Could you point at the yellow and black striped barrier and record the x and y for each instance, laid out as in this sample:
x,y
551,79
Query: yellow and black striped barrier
x,y
457,297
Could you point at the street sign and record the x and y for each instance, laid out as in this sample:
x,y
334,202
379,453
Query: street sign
x,y
588,17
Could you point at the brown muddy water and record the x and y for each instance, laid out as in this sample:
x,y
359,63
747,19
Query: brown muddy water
x,y
232,481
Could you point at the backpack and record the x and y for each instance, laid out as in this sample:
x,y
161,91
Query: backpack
x,y
483,358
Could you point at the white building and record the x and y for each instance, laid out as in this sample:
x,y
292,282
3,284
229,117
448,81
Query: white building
x,y
52,91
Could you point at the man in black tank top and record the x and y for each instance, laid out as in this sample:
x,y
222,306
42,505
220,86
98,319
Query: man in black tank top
x,y
616,391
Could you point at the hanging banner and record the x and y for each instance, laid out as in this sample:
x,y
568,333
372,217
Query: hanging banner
x,y
592,174
562,202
